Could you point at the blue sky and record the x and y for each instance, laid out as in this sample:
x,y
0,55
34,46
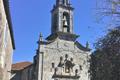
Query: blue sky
x,y
30,17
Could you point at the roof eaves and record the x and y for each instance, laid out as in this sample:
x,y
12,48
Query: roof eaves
x,y
7,11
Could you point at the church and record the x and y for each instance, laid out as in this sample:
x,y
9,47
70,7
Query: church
x,y
60,56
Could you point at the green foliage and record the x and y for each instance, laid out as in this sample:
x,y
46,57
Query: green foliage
x,y
105,62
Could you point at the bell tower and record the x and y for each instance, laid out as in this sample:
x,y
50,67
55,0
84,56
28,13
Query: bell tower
x,y
62,17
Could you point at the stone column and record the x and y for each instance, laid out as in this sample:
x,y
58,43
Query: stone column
x,y
40,66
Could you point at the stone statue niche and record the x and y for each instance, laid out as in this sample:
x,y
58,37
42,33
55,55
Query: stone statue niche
x,y
68,64
65,68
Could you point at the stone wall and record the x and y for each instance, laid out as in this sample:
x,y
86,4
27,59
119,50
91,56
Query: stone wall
x,y
16,75
1,74
27,73
1,33
8,57
6,48
1,41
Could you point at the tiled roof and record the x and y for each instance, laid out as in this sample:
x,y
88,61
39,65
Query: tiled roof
x,y
20,66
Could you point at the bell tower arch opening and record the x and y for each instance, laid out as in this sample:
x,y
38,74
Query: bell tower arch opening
x,y
65,22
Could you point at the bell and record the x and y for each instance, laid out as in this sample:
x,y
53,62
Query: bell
x,y
65,21
64,18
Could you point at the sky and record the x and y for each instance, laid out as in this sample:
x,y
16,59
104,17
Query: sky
x,y
30,17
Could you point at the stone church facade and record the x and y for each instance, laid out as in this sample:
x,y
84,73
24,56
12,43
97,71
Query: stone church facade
x,y
60,56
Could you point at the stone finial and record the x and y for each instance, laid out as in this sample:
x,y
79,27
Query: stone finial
x,y
87,44
41,37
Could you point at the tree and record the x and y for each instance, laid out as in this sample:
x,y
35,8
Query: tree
x,y
105,62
